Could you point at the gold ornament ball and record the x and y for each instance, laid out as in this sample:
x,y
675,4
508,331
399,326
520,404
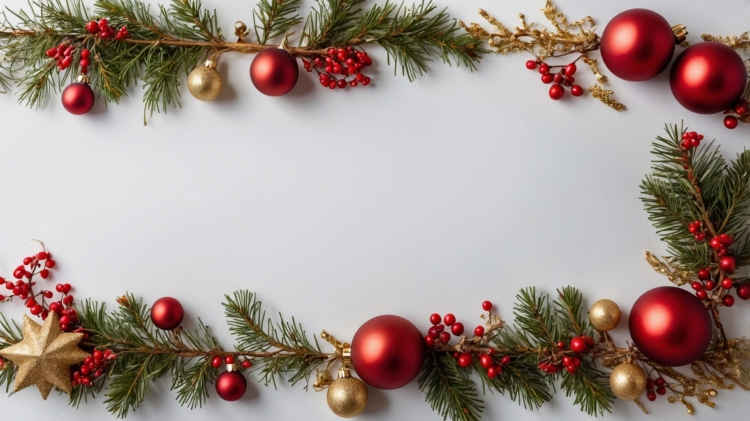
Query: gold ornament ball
x,y
604,315
347,397
628,381
204,82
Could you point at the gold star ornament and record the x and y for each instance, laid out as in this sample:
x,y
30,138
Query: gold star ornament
x,y
45,355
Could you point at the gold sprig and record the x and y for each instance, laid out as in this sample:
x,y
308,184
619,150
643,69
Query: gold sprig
x,y
677,276
741,42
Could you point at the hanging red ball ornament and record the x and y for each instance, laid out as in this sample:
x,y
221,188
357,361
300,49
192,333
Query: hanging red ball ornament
x,y
637,44
274,72
231,385
387,352
167,313
708,78
670,326
78,98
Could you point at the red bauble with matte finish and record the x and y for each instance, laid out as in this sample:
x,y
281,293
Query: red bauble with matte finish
x,y
670,326
274,72
708,78
387,352
78,98
231,385
167,313
637,44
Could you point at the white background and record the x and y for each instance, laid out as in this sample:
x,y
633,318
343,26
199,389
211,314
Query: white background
x,y
405,198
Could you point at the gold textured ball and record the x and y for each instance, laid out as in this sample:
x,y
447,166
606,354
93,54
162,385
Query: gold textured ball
x,y
205,83
628,381
347,397
604,315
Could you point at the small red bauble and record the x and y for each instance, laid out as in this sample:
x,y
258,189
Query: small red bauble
x,y
708,78
743,291
231,385
637,44
670,326
731,122
78,98
556,91
387,352
167,313
274,72
727,264
577,344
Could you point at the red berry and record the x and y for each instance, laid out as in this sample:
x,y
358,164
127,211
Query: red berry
x,y
577,344
84,62
710,285
449,319
435,319
531,64
661,390
429,341
571,369
440,328
505,360
464,360
366,81
491,372
589,341
571,69
544,68
576,90
695,142
727,264
728,300
486,306
730,122
246,364
48,294
68,300
743,291
445,337
353,83
651,395
704,274
547,78
556,92
51,52
37,309
434,332
694,229
561,345
216,361
486,361
702,294
492,351
341,83
479,331
726,283
701,236
558,78
44,274
457,329
85,53
660,382
92,27
50,264
567,361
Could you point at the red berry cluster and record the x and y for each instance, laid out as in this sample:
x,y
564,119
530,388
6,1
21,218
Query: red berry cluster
x,y
92,368
691,140
105,31
562,78
741,110
570,360
217,360
343,62
705,287
659,383
63,55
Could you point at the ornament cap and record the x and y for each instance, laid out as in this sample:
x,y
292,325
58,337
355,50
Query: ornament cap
x,y
83,79
211,64
680,33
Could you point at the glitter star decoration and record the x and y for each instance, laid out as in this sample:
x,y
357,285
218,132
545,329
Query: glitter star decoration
x,y
45,355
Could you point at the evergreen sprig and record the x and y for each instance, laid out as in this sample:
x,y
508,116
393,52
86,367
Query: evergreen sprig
x,y
273,18
10,334
448,389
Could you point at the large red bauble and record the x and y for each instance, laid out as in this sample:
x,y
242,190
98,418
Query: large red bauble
x,y
274,72
637,44
167,313
231,385
387,352
670,326
78,98
708,78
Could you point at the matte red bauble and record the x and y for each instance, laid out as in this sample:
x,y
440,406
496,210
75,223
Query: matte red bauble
x,y
637,44
387,352
167,313
708,78
231,385
274,72
670,326
78,98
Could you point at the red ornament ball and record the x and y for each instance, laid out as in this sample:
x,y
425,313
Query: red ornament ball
x,y
708,78
670,326
231,385
387,352
167,313
78,98
637,44
274,72
743,291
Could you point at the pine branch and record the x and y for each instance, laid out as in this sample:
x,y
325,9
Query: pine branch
x,y
521,379
449,389
273,18
591,389
10,334
535,319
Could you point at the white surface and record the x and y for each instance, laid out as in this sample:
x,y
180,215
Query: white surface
x,y
406,198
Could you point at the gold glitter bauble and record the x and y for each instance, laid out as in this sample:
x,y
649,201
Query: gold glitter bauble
x,y
628,381
347,397
604,315
45,355
204,82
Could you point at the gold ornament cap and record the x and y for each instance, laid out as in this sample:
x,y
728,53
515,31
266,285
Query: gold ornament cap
x,y
628,381
205,82
605,315
347,396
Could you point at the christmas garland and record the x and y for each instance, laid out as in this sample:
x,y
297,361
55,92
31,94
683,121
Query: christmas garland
x,y
123,42
698,202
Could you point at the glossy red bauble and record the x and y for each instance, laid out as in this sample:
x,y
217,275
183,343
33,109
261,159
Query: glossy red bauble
x,y
274,72
708,78
167,313
231,385
670,326
637,44
78,98
387,352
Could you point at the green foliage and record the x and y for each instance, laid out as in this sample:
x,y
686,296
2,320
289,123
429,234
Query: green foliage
x,y
720,195
448,388
10,334
273,18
